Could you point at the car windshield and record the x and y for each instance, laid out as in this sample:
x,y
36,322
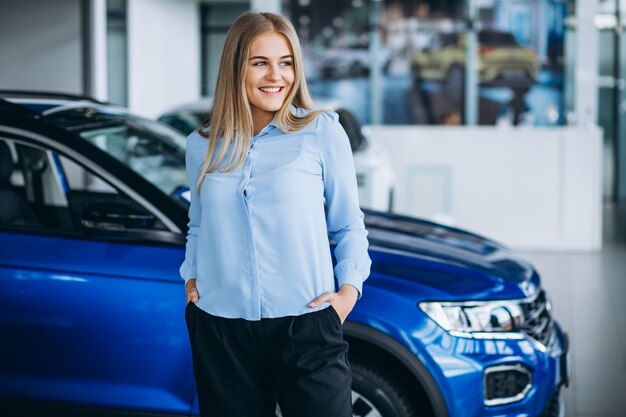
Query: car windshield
x,y
185,121
489,38
152,150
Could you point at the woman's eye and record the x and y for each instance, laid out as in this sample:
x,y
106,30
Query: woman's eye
x,y
264,63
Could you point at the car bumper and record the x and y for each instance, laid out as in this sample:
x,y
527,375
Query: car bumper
x,y
461,367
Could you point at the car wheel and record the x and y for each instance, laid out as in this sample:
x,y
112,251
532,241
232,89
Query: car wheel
x,y
327,72
454,84
361,406
387,67
376,394
416,74
357,70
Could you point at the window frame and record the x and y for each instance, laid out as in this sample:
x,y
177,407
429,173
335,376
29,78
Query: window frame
x,y
173,233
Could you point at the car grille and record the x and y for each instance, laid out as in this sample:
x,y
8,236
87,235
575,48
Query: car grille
x,y
537,318
505,384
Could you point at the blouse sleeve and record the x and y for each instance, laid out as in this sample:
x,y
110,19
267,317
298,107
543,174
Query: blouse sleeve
x,y
344,217
193,166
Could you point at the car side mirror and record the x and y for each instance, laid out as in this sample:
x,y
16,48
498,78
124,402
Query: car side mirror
x,y
115,216
146,148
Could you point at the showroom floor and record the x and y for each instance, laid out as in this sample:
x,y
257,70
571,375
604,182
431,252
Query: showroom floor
x,y
589,300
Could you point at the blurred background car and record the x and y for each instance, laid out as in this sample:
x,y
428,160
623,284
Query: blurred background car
x,y
502,62
350,59
374,172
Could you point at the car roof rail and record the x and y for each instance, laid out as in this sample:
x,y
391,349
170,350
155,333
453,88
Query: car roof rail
x,y
46,94
6,108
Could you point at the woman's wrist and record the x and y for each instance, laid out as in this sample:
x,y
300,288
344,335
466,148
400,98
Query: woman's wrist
x,y
349,290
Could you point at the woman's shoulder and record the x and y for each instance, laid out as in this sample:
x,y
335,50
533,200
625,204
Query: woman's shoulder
x,y
322,121
324,115
328,115
196,146
199,137
327,123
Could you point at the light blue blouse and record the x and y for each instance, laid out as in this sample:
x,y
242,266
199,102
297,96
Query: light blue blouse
x,y
258,237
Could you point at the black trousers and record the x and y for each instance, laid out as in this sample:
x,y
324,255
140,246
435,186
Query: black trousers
x,y
243,368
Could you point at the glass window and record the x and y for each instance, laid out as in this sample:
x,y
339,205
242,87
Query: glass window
x,y
79,179
215,22
31,195
41,190
152,150
611,100
117,51
423,59
97,207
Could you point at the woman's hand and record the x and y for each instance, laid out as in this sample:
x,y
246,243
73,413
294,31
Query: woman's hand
x,y
192,291
342,301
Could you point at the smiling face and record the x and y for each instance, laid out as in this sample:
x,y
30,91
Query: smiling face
x,y
269,76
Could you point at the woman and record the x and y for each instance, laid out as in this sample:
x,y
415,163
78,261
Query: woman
x,y
264,314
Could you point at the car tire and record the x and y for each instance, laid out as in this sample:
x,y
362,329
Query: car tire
x,y
387,67
377,394
416,74
357,69
454,84
327,73
374,394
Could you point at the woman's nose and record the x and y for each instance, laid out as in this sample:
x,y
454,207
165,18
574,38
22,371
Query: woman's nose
x,y
273,72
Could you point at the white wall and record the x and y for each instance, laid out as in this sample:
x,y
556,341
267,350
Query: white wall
x,y
532,189
163,54
273,6
40,45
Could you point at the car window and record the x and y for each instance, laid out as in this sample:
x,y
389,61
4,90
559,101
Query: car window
x,y
97,207
43,191
152,150
435,42
178,122
449,39
492,38
31,196
352,128
80,180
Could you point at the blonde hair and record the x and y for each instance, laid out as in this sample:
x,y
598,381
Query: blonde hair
x,y
231,118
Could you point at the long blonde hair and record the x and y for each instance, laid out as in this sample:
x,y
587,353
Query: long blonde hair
x,y
231,118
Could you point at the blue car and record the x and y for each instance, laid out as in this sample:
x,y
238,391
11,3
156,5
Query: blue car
x,y
93,214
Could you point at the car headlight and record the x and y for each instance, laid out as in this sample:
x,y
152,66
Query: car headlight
x,y
486,319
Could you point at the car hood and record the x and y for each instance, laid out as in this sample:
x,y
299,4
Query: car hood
x,y
444,262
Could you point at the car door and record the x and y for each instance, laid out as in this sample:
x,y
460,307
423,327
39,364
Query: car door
x,y
91,303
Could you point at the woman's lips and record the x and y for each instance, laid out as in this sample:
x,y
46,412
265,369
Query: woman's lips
x,y
271,90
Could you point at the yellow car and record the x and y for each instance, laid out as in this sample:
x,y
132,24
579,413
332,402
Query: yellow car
x,y
502,62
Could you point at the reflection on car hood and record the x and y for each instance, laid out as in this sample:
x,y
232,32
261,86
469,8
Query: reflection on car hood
x,y
449,263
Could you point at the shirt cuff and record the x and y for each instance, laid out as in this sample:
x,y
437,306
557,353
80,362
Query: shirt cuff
x,y
187,271
353,278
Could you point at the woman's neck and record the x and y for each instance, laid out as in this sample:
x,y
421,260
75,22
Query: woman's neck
x,y
260,120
